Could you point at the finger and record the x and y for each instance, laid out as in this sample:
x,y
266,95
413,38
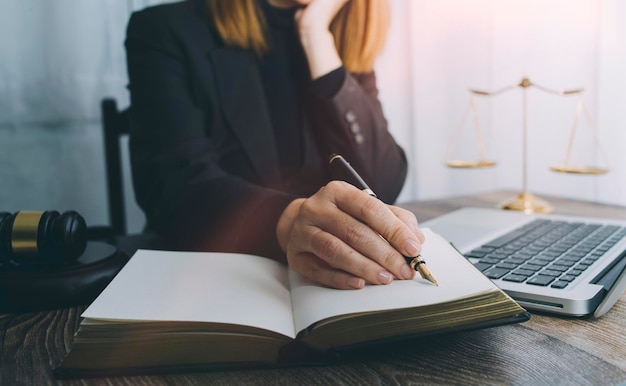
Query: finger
x,y
357,236
377,216
318,271
319,13
340,255
408,218
298,15
351,245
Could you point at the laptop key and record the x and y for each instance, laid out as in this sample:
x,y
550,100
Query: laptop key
x,y
541,262
515,260
482,266
532,267
564,263
515,278
524,272
558,268
495,273
508,266
541,280
550,272
497,256
507,238
489,261
560,284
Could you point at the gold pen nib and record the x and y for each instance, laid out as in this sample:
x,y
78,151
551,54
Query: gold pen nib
x,y
419,265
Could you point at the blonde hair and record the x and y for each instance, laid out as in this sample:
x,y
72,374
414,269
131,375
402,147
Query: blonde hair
x,y
359,29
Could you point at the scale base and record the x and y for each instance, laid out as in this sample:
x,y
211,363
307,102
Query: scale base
x,y
527,203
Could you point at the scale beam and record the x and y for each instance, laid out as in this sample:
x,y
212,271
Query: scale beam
x,y
524,201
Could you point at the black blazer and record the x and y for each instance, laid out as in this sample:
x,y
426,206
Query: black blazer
x,y
203,157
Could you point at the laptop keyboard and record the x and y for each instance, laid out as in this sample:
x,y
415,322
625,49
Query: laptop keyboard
x,y
546,252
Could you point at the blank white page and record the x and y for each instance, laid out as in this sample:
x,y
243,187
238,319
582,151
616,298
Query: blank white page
x,y
456,276
198,287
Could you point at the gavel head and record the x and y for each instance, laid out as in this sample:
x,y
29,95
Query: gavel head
x,y
42,238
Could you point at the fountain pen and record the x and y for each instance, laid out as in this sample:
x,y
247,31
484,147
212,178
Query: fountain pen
x,y
342,169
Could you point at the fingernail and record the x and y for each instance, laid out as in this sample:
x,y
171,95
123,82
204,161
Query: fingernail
x,y
407,272
356,282
412,248
385,277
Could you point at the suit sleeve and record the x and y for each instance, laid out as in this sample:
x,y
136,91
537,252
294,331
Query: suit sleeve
x,y
186,196
350,121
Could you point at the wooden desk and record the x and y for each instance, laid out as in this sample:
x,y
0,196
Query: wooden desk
x,y
546,350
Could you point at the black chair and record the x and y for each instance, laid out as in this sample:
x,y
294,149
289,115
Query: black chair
x,y
115,125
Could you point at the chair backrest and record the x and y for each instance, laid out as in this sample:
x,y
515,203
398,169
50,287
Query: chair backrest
x,y
114,125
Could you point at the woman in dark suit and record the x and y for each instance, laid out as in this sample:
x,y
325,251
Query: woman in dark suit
x,y
236,106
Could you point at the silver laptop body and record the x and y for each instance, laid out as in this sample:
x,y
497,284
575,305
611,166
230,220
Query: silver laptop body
x,y
470,228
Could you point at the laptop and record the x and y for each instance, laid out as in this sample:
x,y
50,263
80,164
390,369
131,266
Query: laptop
x,y
553,263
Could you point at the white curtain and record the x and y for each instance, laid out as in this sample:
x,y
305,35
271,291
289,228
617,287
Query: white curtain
x,y
58,59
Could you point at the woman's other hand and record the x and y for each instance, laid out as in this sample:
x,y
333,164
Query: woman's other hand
x,y
313,21
316,15
334,238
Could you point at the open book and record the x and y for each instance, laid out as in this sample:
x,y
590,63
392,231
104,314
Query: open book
x,y
195,310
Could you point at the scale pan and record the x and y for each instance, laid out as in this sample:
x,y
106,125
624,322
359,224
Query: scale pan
x,y
470,164
578,169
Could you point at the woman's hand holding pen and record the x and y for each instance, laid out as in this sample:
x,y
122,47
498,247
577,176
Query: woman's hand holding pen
x,y
334,238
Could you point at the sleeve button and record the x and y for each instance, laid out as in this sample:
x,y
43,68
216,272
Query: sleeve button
x,y
350,116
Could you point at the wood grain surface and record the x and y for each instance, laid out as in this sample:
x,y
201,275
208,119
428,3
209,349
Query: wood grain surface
x,y
547,350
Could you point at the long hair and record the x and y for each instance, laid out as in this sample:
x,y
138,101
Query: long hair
x,y
359,29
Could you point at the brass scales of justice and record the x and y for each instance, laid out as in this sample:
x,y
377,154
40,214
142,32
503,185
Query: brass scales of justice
x,y
525,201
